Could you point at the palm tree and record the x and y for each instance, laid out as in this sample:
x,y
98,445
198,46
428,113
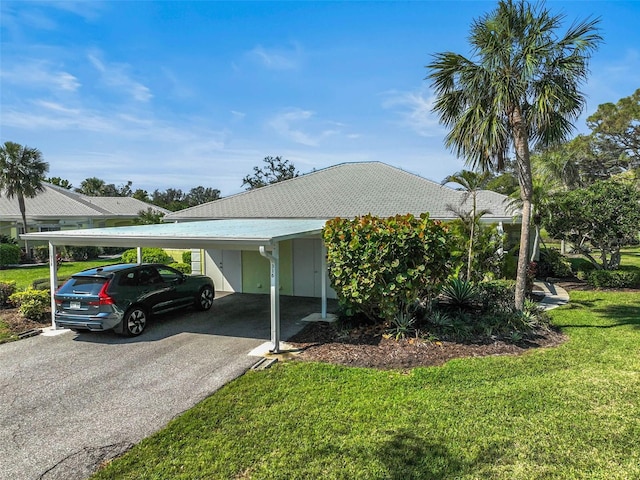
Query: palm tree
x,y
519,90
22,172
471,183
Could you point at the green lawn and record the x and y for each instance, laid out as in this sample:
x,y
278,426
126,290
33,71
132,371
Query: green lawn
x,y
24,276
568,412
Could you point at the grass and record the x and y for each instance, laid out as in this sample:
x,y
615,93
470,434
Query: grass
x,y
24,276
571,412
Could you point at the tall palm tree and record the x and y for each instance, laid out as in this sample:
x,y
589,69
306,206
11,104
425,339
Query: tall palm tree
x,y
519,90
470,184
22,172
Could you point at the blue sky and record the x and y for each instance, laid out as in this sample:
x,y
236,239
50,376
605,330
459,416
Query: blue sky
x,y
181,94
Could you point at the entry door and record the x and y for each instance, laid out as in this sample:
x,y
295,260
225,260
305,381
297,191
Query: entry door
x,y
225,268
307,263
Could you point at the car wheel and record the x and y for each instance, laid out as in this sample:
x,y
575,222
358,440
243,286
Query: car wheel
x,y
135,320
205,298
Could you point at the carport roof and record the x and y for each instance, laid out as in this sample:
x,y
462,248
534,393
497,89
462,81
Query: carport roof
x,y
238,234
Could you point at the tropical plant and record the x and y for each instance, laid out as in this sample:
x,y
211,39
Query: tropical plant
x,y
520,88
22,173
377,266
470,183
459,293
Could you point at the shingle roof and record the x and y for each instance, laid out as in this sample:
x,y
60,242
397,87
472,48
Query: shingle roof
x,y
346,190
56,202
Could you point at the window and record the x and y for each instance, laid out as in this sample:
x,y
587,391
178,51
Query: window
x,y
49,228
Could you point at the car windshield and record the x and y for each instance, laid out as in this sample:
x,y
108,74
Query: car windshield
x,y
83,285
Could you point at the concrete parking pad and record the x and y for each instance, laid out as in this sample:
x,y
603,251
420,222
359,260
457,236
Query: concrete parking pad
x,y
69,402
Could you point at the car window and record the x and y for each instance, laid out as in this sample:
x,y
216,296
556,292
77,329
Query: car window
x,y
149,276
168,274
129,279
83,285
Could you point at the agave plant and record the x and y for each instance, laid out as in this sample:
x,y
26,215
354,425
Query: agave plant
x,y
459,293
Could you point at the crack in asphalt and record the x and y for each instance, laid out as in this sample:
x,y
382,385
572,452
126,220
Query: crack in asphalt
x,y
85,462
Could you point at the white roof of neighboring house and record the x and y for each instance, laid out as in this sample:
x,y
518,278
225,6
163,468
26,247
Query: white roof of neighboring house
x,y
56,203
346,190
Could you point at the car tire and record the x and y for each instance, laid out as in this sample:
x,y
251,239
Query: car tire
x,y
205,298
134,321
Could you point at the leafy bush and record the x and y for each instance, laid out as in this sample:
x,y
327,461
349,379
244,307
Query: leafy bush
x,y
8,239
41,253
497,295
553,264
149,255
183,267
9,254
33,304
80,253
186,257
6,290
377,266
614,278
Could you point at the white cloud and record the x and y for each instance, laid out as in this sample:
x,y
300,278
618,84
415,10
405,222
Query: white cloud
x,y
37,73
415,111
287,124
115,75
277,59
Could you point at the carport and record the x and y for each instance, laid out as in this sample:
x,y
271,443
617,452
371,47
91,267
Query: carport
x,y
263,235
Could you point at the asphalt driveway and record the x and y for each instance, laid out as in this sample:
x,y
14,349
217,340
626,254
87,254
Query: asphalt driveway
x,y
69,402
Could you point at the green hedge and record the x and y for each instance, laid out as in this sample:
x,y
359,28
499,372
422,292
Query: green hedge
x,y
9,254
6,290
614,278
183,267
33,304
149,255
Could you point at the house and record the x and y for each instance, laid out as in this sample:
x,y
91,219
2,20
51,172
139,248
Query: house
x,y
57,209
345,190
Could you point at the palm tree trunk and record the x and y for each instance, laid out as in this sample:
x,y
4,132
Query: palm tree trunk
x,y
23,212
525,179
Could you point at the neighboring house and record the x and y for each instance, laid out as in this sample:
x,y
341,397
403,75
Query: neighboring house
x,y
59,209
346,190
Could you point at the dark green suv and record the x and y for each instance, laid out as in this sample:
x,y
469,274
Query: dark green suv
x,y
123,297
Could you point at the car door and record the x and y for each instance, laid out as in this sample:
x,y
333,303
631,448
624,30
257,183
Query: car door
x,y
154,292
182,294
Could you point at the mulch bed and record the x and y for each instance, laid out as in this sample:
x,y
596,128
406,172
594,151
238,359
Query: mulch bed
x,y
322,342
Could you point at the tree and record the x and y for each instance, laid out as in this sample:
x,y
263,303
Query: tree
x,y
96,187
22,173
149,217
471,183
276,170
605,216
519,90
199,195
59,182
616,130
172,199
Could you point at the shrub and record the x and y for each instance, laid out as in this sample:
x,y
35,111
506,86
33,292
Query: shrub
x,y
186,257
33,304
614,278
553,264
497,295
41,253
80,253
6,290
7,239
378,265
183,267
9,254
149,255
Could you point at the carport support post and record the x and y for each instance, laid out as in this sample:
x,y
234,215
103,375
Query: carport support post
x,y
274,263
53,281
139,254
323,279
